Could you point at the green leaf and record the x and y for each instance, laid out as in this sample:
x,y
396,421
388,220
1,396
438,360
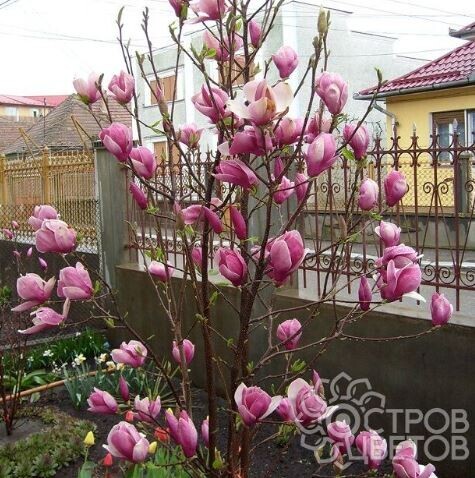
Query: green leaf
x,y
347,154
86,470
214,297
250,366
298,366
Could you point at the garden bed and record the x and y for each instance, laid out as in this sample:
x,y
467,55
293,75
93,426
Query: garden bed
x,y
268,461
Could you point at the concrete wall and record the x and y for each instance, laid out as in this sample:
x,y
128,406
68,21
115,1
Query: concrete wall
x,y
434,371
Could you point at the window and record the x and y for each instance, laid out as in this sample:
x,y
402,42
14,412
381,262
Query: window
x,y
172,90
11,111
471,128
446,124
236,69
35,113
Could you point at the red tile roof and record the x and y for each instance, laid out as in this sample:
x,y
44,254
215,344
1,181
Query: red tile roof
x,y
38,100
456,66
51,100
58,130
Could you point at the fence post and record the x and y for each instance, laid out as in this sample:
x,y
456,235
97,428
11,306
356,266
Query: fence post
x,y
465,174
46,196
112,194
3,180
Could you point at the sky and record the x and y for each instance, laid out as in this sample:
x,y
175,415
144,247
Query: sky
x,y
45,44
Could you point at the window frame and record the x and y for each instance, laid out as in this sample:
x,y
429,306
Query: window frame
x,y
179,90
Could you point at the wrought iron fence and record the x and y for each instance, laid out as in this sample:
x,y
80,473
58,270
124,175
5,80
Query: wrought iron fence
x,y
63,179
435,215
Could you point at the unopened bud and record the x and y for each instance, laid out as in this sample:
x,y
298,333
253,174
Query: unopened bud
x,y
322,22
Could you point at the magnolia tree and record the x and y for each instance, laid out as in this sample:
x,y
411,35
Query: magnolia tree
x,y
265,160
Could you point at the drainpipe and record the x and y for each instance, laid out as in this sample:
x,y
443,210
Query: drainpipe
x,y
393,117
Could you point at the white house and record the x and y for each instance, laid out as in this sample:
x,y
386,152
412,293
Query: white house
x,y
354,55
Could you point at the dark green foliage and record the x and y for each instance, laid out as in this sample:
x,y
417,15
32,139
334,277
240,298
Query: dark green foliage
x,y
42,454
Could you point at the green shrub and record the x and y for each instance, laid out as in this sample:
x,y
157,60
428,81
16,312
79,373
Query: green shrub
x,y
42,454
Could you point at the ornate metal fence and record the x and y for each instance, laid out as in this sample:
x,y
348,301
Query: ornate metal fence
x,y
435,215
62,179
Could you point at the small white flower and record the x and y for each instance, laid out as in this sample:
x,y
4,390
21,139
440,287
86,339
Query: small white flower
x,y
78,334
47,353
79,359
120,366
102,358
110,365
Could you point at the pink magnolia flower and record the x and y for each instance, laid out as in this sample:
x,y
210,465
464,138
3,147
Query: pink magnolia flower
x,y
288,131
147,410
29,252
197,256
126,443
43,263
88,90
46,318
372,447
75,283
143,162
183,432
359,140
308,406
139,196
132,354
8,234
364,294
251,139
333,91
254,404
177,5
34,290
301,186
389,233
55,235
160,271
205,431
211,103
316,126
188,351
41,213
395,187
341,435
401,255
117,139
405,464
285,189
122,87
286,60
234,171
368,195
15,225
441,309
190,135
231,265
289,333
255,33
103,402
285,411
222,49
262,103
321,154
285,253
395,282
124,389
207,10
238,223
199,213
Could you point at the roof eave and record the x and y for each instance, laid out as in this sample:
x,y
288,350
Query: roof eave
x,y
418,89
